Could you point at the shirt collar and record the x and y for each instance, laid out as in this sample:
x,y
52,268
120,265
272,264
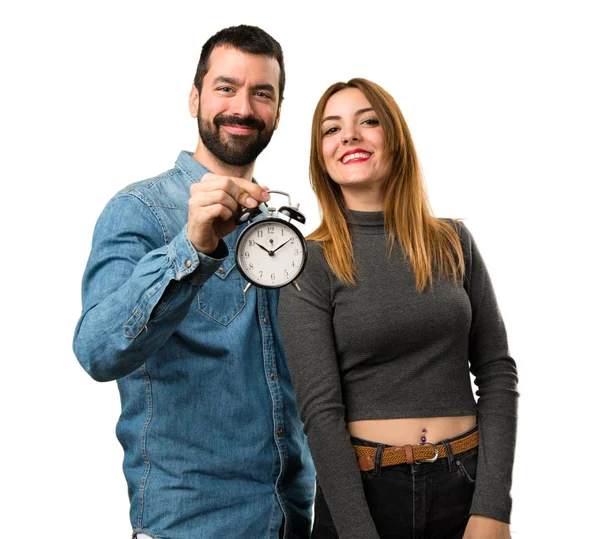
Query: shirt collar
x,y
190,167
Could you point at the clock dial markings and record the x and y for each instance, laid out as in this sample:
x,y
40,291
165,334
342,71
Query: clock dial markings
x,y
262,258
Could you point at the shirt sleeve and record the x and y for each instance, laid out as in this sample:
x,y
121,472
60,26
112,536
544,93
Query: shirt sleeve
x,y
496,379
136,289
306,321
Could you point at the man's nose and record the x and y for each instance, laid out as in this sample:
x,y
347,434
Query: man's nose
x,y
242,104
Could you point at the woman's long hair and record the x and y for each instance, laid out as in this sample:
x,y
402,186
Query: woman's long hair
x,y
430,243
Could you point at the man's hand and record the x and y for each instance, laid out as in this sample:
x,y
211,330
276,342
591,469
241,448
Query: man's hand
x,y
214,201
480,527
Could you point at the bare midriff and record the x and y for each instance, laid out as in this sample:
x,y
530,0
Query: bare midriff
x,y
411,431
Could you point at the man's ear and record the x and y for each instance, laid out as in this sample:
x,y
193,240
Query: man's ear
x,y
194,101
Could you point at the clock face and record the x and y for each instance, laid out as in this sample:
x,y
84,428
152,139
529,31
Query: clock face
x,y
270,253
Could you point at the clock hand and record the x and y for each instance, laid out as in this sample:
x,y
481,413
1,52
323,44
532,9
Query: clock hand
x,y
264,248
277,249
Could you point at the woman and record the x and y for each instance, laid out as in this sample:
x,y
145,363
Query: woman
x,y
394,309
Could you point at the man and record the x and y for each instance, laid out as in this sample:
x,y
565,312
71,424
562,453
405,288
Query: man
x,y
213,443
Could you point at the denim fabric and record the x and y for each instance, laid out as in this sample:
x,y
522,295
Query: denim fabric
x,y
212,440
430,500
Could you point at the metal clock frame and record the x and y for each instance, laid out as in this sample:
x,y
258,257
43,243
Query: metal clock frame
x,y
273,216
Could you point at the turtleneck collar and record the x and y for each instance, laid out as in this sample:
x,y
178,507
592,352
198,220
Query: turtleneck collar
x,y
365,222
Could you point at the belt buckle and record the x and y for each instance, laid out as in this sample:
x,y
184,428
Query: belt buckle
x,y
435,457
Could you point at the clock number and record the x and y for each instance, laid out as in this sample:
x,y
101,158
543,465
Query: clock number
x,y
272,276
246,254
285,273
251,266
260,272
293,239
271,230
296,252
251,243
259,233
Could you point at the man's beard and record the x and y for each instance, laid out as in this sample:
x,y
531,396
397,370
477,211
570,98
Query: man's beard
x,y
236,150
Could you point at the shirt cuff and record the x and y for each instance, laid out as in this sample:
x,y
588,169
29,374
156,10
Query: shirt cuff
x,y
196,268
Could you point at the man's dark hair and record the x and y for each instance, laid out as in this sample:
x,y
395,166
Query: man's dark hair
x,y
250,39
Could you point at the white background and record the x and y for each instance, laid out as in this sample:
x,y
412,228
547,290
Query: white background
x,y
502,100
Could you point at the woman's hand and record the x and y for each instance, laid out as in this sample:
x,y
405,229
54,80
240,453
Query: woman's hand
x,y
480,527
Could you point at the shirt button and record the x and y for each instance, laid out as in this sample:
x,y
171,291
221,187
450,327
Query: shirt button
x,y
279,432
265,320
221,270
188,263
272,376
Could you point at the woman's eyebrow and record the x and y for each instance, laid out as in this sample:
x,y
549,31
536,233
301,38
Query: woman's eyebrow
x,y
357,113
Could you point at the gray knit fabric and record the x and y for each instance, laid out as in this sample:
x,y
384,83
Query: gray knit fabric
x,y
382,350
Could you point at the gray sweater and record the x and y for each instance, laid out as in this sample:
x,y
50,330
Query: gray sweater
x,y
381,350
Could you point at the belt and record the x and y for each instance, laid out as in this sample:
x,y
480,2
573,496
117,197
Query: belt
x,y
411,454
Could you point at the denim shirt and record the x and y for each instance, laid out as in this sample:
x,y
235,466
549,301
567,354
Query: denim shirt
x,y
213,442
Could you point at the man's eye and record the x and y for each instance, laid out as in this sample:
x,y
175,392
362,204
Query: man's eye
x,y
263,95
225,89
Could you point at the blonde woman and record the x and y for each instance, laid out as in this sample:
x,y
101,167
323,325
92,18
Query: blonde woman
x,y
395,308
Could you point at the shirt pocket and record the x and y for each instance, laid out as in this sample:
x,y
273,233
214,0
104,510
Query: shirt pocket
x,y
222,297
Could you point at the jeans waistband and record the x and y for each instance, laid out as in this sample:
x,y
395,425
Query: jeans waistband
x,y
373,456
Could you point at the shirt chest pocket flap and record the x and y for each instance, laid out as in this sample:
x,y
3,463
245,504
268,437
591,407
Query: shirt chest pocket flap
x,y
222,297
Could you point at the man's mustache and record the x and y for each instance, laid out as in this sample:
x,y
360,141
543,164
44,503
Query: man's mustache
x,y
246,121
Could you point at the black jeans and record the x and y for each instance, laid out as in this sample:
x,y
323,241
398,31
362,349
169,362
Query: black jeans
x,y
430,500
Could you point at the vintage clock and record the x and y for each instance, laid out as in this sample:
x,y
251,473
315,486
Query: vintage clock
x,y
271,251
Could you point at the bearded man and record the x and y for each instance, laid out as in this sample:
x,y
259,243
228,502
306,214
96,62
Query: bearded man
x,y
212,440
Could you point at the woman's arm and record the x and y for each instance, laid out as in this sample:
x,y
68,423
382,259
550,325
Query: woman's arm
x,y
306,320
496,380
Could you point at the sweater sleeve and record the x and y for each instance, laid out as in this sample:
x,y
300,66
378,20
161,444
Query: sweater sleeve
x,y
496,379
306,320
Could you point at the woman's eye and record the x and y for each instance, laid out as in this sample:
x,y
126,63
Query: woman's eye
x,y
372,121
330,130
